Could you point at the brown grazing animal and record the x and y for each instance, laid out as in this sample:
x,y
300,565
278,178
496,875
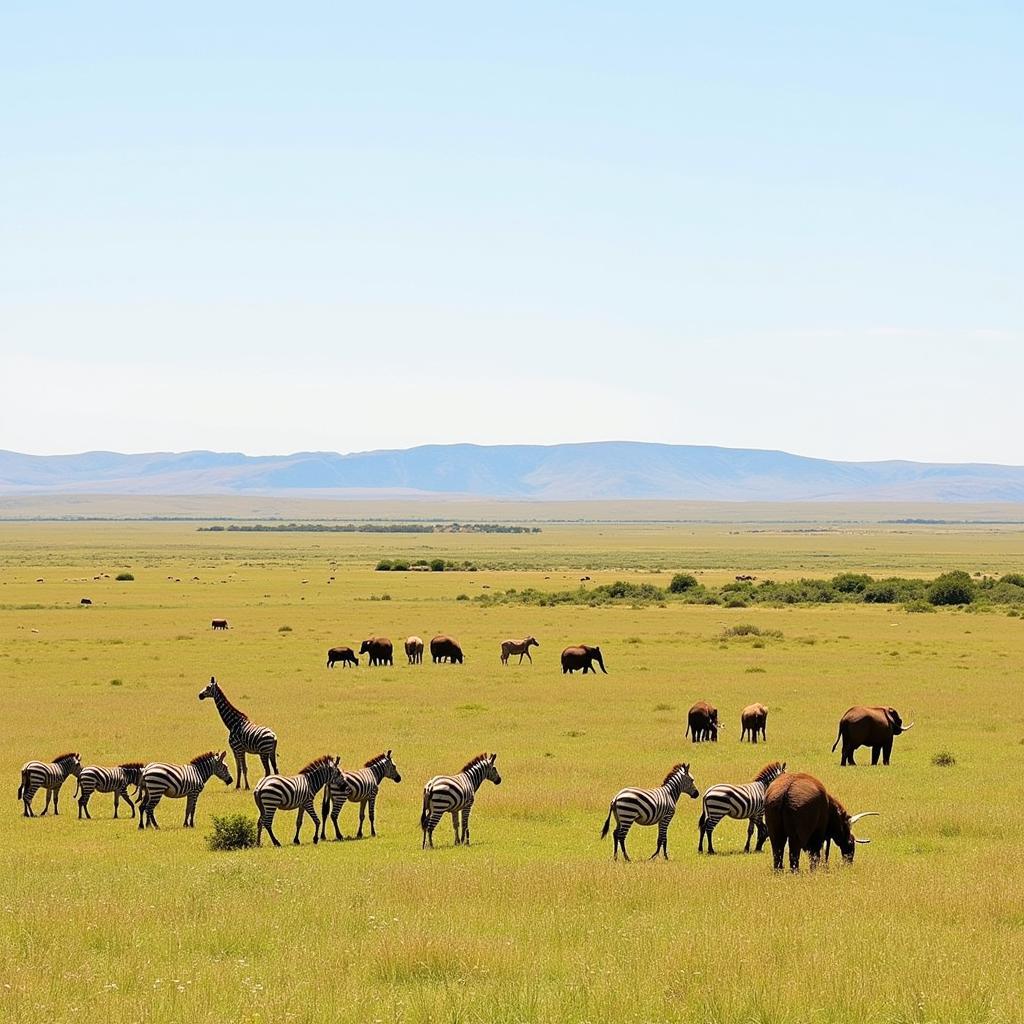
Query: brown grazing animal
x,y
869,727
520,647
414,650
583,657
343,654
798,810
702,723
380,650
219,624
85,600
444,648
754,718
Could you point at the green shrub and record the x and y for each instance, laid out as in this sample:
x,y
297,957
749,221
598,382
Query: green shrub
x,y
462,597
952,588
1015,579
944,759
918,605
748,629
851,582
284,629
399,565
437,565
232,832
736,602
384,565
681,583
124,577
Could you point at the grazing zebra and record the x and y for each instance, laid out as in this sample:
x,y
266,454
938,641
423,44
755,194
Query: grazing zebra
x,y
40,775
746,801
358,787
176,781
275,793
108,780
243,736
446,794
649,807
520,647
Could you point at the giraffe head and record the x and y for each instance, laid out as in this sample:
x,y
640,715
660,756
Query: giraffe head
x,y
210,690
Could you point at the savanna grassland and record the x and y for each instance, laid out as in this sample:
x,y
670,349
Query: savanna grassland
x,y
533,922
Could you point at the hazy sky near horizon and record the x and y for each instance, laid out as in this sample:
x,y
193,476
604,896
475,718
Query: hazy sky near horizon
x,y
270,228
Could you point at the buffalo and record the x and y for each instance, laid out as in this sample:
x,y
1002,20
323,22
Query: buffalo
x,y
702,723
343,654
444,648
219,624
869,727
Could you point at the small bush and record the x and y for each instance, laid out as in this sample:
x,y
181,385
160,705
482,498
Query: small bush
x,y
437,565
232,832
952,588
681,583
755,668
944,759
735,602
851,582
116,682
918,606
124,577
384,565
462,597
399,565
749,629
284,629
1015,579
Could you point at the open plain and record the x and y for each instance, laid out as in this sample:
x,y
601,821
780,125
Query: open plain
x,y
533,922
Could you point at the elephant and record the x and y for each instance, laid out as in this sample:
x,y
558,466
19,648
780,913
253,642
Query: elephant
x,y
379,649
869,727
798,810
343,654
582,657
445,648
702,723
754,719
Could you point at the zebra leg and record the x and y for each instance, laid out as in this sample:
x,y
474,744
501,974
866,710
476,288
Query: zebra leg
x,y
465,825
83,805
762,835
311,811
528,656
46,806
709,828
621,835
190,810
750,833
298,825
362,817
267,820
455,825
373,817
128,800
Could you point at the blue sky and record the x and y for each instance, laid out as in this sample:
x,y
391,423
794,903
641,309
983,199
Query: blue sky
x,y
268,229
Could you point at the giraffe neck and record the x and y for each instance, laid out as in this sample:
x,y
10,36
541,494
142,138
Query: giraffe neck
x,y
229,714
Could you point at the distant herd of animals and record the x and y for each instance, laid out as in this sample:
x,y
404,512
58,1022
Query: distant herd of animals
x,y
791,809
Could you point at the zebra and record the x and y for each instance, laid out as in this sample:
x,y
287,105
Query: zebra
x,y
243,736
49,776
176,781
649,807
746,801
108,780
446,794
359,787
520,647
275,793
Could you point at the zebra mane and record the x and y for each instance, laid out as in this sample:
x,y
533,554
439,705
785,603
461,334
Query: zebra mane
x,y
132,765
379,759
768,771
210,755
479,759
319,762
65,757
673,772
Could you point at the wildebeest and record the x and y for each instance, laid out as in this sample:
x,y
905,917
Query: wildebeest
x,y
799,811
219,624
520,647
85,600
444,648
343,654
869,727
414,650
754,719
379,649
702,723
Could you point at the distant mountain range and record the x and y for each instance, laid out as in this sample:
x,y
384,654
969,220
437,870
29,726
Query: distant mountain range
x,y
561,472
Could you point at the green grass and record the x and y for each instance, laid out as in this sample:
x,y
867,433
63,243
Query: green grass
x,y
533,922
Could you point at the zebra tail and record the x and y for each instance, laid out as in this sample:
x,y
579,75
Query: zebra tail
x,y
839,736
607,822
78,784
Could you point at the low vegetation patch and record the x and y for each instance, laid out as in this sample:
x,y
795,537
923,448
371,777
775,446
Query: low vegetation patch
x,y
944,759
232,832
124,577
749,629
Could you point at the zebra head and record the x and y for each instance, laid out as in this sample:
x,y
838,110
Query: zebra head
x,y
220,769
680,781
71,764
390,768
491,771
210,690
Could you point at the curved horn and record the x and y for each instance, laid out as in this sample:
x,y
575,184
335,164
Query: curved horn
x,y
907,727
862,841
863,814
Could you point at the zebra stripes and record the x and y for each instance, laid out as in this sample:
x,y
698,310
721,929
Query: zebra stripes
x,y
649,807
176,781
36,775
745,801
452,794
275,793
244,737
116,780
358,787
